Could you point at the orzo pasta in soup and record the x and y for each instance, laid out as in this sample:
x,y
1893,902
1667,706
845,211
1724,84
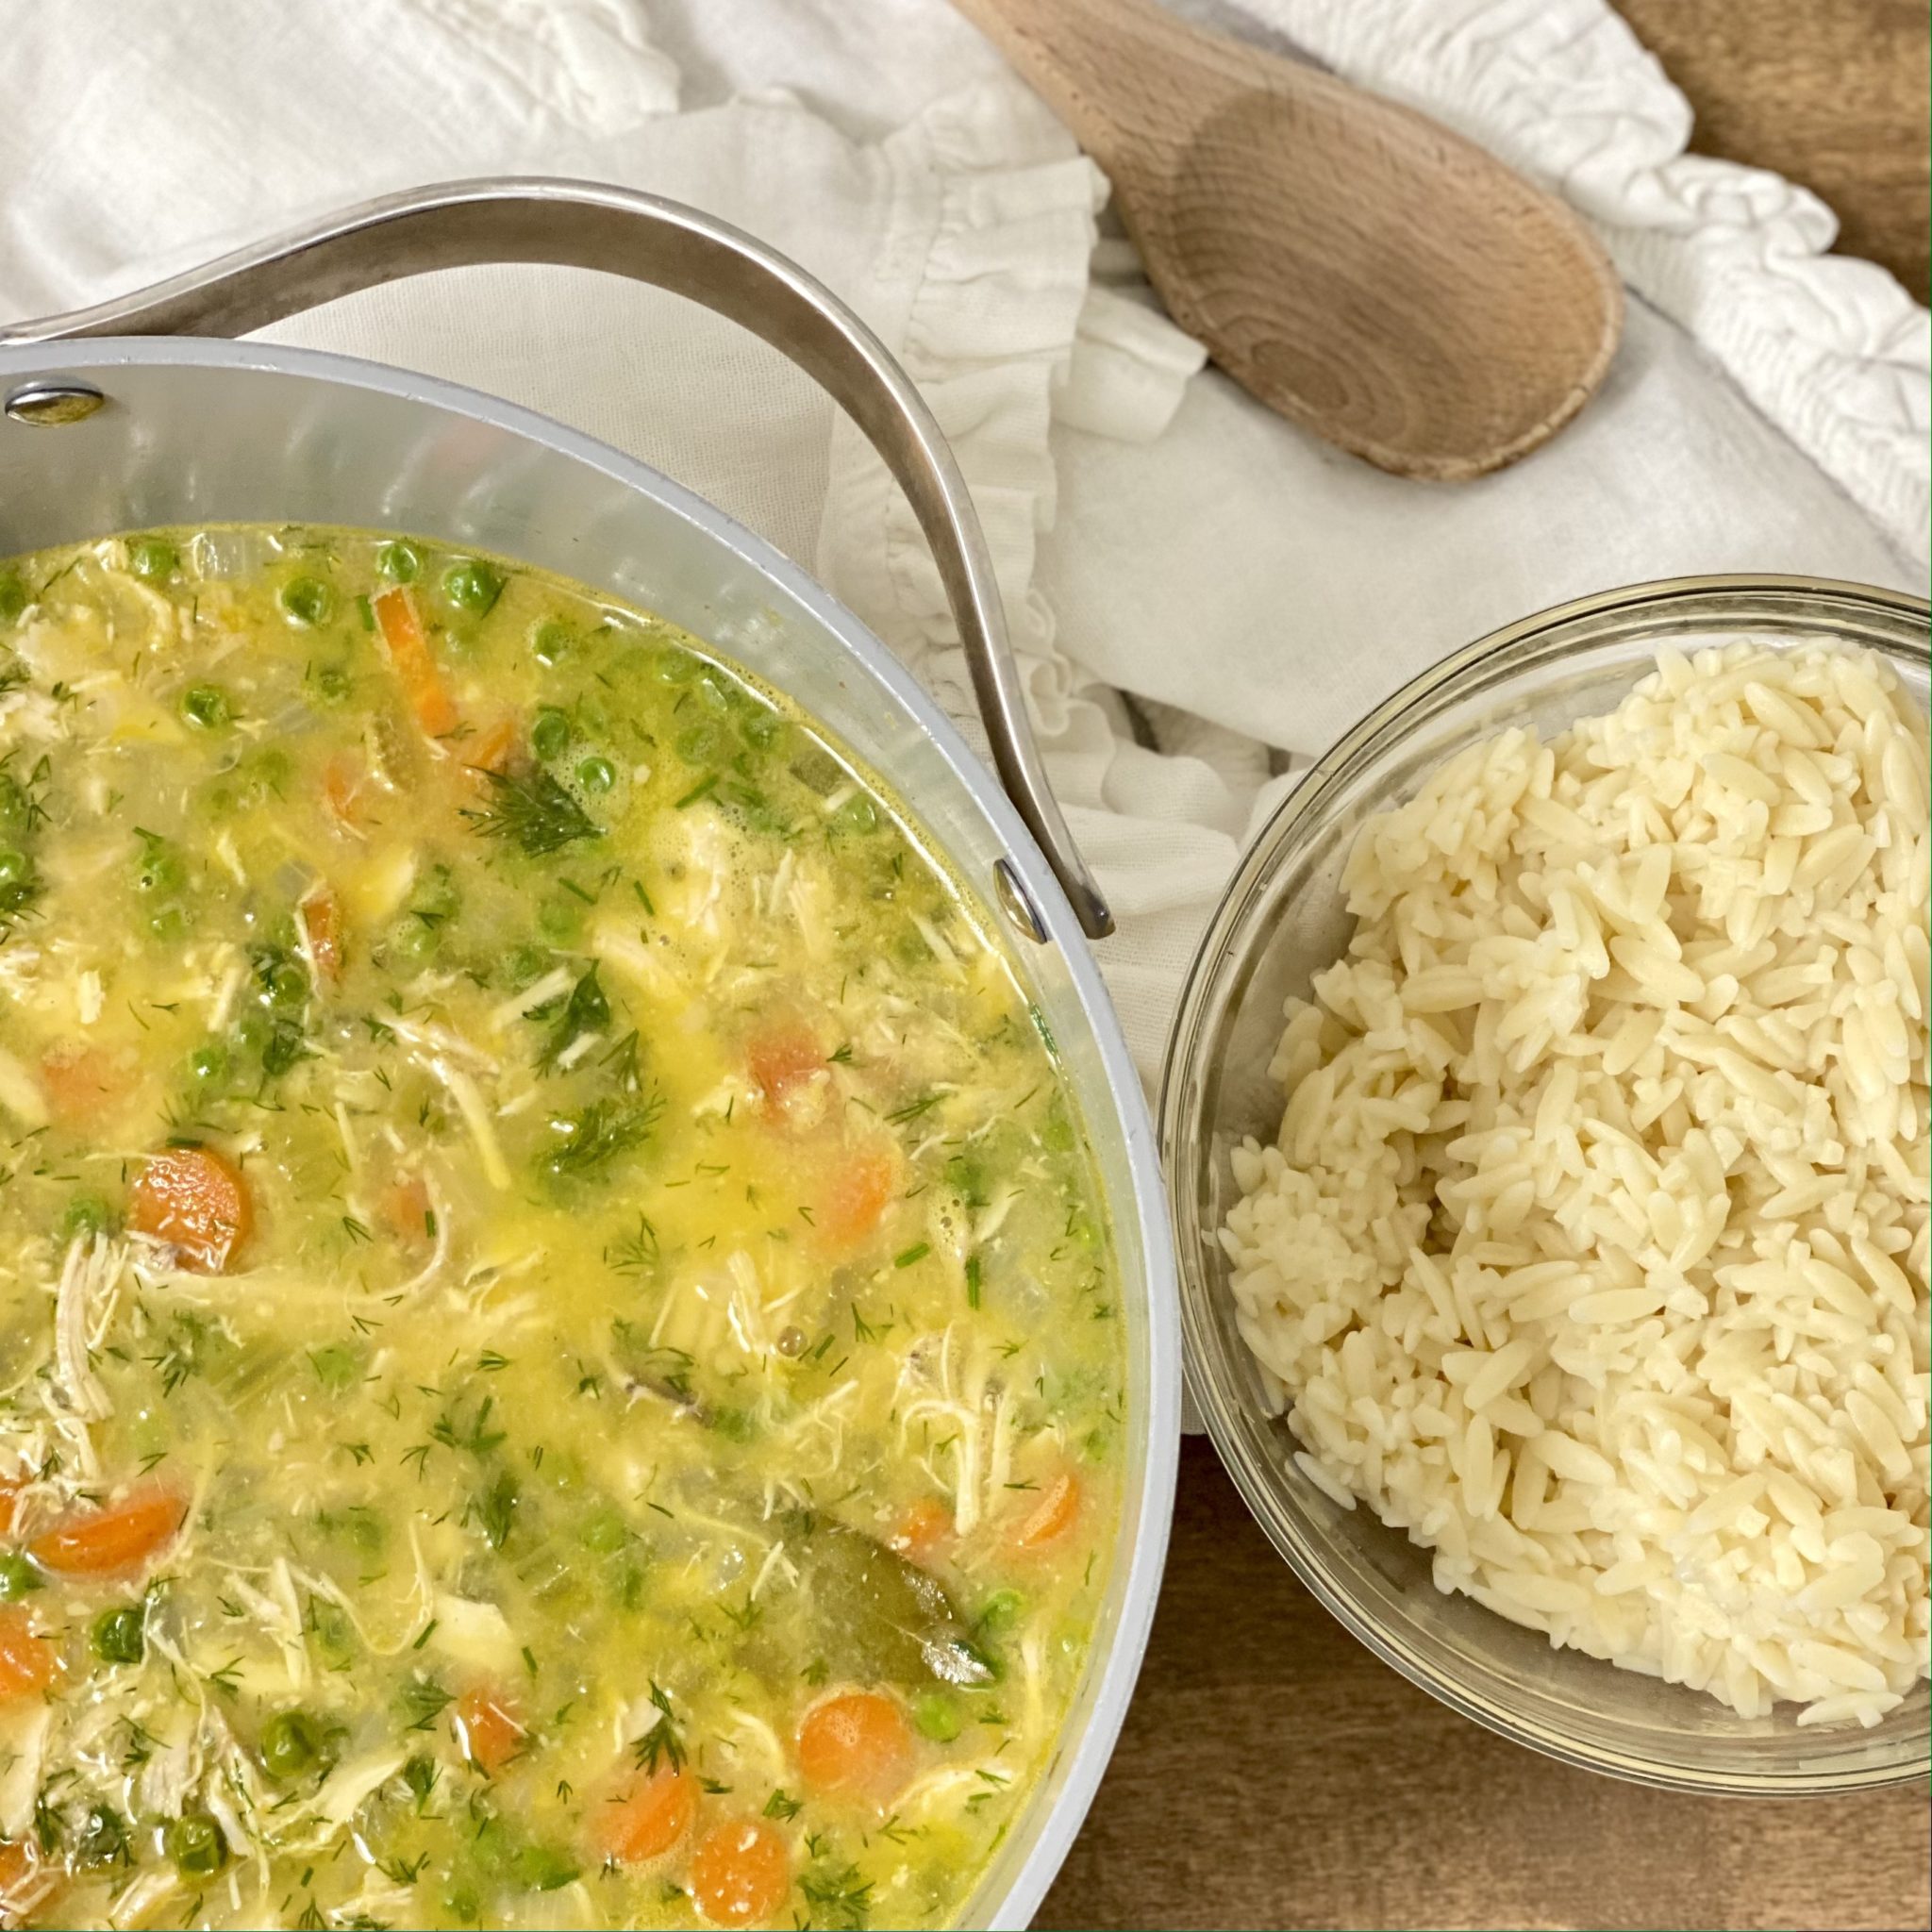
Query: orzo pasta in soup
x,y
557,1345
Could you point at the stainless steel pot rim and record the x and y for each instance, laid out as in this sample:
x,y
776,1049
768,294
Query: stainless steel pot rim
x,y
1144,1554
1658,599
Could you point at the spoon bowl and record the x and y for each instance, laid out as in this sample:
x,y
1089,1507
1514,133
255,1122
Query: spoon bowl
x,y
1359,268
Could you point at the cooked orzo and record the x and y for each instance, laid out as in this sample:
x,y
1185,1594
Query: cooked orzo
x,y
1592,1249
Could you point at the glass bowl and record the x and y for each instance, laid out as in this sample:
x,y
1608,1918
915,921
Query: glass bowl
x,y
1283,917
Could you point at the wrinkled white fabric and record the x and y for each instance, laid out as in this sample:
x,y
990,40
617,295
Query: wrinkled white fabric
x,y
1155,532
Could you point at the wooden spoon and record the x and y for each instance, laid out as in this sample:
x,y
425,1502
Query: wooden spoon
x,y
1362,270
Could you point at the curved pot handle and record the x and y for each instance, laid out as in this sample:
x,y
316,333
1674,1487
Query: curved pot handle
x,y
620,231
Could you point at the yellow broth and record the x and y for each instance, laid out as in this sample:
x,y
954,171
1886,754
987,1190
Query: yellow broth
x,y
558,1340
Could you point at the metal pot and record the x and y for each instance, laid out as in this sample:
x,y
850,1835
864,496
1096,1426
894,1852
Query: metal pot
x,y
117,418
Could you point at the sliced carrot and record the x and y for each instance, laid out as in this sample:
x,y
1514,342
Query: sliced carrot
x,y
27,1661
197,1202
1050,1519
416,670
648,1817
120,1535
343,779
741,1872
82,1083
856,1197
321,930
406,1208
28,1886
922,1527
9,1501
857,1744
487,1731
780,1059
493,750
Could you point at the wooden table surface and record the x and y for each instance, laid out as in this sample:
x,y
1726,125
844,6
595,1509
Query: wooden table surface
x,y
1272,1773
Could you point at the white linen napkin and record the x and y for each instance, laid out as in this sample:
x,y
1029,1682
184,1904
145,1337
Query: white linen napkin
x,y
1156,533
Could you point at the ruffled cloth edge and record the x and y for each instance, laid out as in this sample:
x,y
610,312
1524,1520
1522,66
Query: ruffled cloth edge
x,y
990,230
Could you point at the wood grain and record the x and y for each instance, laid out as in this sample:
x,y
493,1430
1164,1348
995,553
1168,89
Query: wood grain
x,y
1830,92
1355,266
1273,1774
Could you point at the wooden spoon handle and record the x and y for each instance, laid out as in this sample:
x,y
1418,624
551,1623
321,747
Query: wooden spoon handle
x,y
1109,68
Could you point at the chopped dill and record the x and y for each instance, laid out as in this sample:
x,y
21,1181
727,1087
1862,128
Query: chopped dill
x,y
639,1253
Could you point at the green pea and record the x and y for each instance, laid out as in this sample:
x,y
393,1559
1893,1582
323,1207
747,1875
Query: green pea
x,y
307,601
20,886
438,896
336,1365
160,869
937,1717
330,682
401,563
857,814
560,921
195,1843
604,1531
86,1214
16,808
473,586
762,729
291,1743
551,641
414,942
676,666
168,922
700,744
13,596
18,1578
542,1868
596,775
550,734
153,557
1000,1611
206,705
1057,1134
119,1634
284,984
16,868
463,1905
208,1063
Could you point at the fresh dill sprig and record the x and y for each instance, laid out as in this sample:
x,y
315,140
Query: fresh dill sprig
x,y
660,1744
534,812
423,1701
591,1139
840,1899
496,1511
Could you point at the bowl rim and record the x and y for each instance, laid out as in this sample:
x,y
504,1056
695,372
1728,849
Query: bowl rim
x,y
1217,1407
